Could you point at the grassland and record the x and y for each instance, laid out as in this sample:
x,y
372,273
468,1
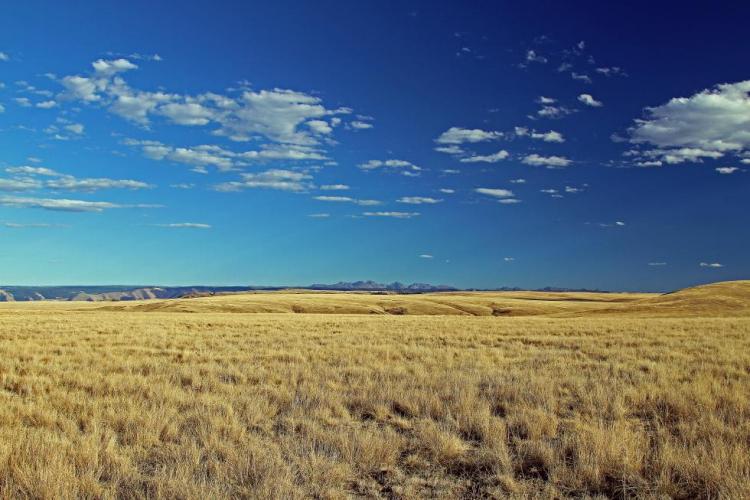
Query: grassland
x,y
452,395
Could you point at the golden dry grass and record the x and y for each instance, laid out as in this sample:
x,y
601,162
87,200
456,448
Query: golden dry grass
x,y
125,403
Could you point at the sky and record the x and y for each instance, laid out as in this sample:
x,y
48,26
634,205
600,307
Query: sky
x,y
477,144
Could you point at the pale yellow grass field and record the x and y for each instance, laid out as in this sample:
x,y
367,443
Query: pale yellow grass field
x,y
126,403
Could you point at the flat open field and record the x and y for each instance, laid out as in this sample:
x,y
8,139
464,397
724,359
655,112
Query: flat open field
x,y
436,395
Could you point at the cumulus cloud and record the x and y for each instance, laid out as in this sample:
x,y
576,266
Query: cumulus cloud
x,y
284,180
458,135
707,125
532,56
334,187
589,100
395,215
419,200
495,192
727,170
447,190
451,150
17,185
406,167
46,104
546,161
184,225
277,115
493,158
63,205
551,136
611,71
550,111
347,199
580,77
360,125
223,159
27,180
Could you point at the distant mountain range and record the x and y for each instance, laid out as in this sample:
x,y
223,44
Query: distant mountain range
x,y
120,293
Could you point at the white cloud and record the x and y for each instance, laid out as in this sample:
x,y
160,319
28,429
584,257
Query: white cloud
x,y
458,135
546,161
580,77
223,159
62,205
546,100
277,115
75,128
347,199
70,183
495,192
611,71
549,111
395,215
2,108
319,126
46,104
657,264
111,67
509,259
59,181
359,125
551,136
284,180
727,170
709,124
549,191
4,57
532,56
395,164
334,187
589,100
17,225
187,113
573,190
711,264
17,185
451,150
185,225
493,158
426,256
419,200
447,190
24,102
509,201
26,170
319,216
517,181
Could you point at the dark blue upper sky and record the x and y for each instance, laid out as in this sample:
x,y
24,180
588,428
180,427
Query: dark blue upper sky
x,y
479,144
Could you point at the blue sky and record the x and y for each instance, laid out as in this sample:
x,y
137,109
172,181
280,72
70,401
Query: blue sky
x,y
483,145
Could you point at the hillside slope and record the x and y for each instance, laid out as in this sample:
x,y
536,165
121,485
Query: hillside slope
x,y
728,298
450,303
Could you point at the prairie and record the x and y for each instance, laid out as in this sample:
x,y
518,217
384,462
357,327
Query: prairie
x,y
428,396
